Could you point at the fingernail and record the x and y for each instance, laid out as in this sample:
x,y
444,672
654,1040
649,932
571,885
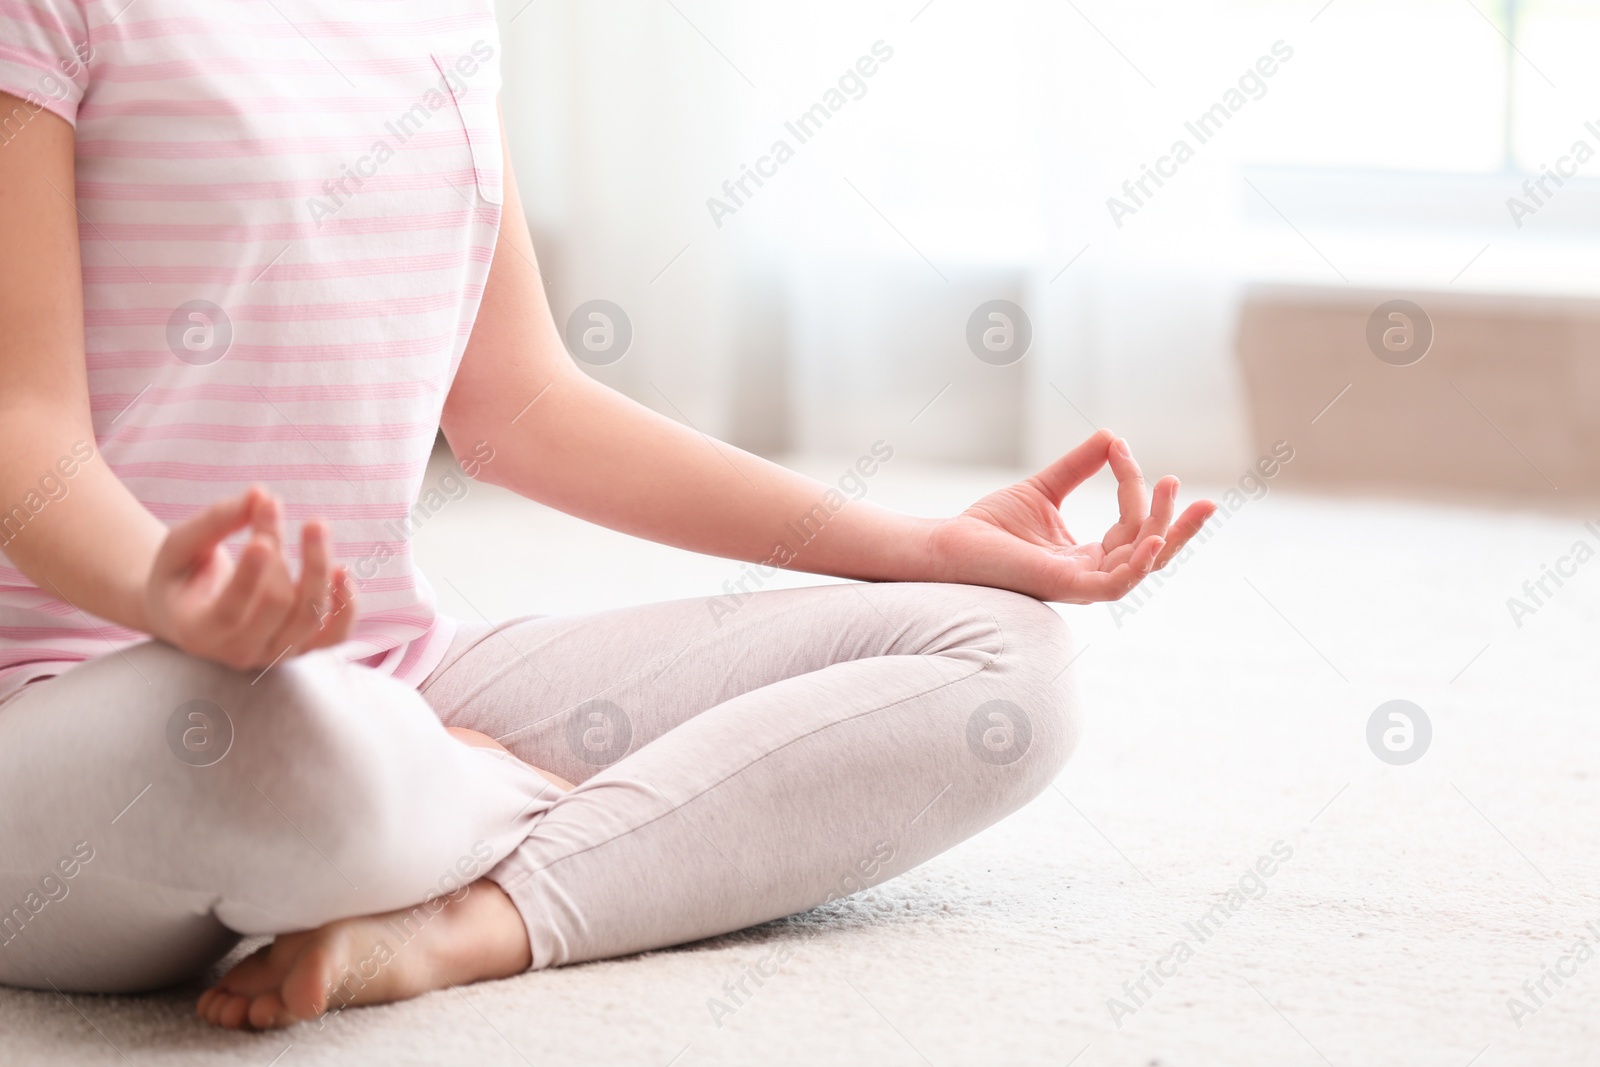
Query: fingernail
x,y
1123,449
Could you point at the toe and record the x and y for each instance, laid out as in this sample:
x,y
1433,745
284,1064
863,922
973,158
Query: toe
x,y
233,1012
213,1006
268,1013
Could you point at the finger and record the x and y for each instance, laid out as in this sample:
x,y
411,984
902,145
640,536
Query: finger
x,y
347,610
197,536
267,519
269,610
1110,561
229,611
253,606
1133,500
311,593
1072,469
1114,584
1189,523
1163,502
341,617
1143,560
315,570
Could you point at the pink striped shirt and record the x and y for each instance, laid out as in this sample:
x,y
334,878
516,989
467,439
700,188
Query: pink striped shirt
x,y
285,228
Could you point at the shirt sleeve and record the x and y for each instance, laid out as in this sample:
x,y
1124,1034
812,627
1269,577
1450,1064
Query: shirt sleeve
x,y
45,54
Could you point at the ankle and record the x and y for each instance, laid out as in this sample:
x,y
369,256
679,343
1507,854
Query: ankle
x,y
482,935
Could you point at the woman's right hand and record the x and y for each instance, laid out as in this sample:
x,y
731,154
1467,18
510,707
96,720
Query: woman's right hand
x,y
251,614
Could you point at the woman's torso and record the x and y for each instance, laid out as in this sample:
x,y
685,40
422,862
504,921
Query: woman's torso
x,y
285,230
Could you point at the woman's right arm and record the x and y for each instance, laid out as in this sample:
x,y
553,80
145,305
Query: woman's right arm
x,y
96,547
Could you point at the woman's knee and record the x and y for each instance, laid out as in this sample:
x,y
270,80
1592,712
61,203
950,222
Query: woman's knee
x,y
317,790
306,746
1032,716
356,765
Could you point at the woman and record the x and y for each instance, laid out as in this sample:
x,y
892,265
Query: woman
x,y
241,251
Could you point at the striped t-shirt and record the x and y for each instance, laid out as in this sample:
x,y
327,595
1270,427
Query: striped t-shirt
x,y
287,210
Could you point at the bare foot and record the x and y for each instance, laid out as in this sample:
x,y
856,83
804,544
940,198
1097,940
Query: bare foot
x,y
372,960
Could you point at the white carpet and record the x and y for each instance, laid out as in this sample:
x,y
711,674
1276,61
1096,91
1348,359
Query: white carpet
x,y
1417,899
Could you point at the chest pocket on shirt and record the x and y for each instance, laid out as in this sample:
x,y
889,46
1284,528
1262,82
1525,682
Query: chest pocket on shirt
x,y
465,82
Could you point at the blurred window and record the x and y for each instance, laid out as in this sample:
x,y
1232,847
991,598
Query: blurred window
x,y
1462,86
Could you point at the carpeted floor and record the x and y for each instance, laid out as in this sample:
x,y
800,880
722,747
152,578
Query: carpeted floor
x,y
1228,718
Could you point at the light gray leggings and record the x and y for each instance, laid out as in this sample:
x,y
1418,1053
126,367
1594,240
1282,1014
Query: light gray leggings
x,y
731,768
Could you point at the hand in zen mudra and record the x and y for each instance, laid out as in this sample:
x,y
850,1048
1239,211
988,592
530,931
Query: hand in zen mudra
x,y
1015,538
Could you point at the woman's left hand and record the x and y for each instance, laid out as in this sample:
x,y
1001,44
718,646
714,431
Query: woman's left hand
x,y
1015,539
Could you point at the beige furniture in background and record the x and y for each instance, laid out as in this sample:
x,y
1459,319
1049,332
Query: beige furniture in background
x,y
1506,402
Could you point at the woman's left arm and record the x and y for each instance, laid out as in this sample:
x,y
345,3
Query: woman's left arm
x,y
566,440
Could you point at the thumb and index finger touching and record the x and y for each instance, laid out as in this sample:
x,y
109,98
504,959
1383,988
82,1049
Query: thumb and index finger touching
x,y
194,539
1075,467
191,542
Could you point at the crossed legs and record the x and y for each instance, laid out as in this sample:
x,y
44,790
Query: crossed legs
x,y
732,762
